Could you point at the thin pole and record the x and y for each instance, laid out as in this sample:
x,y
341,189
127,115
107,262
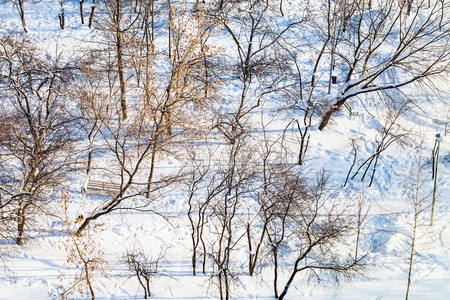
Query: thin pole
x,y
438,140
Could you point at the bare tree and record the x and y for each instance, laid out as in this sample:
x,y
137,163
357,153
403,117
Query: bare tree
x,y
8,208
83,254
389,133
170,111
231,188
320,225
362,211
34,92
91,15
199,179
418,195
273,193
115,23
62,17
93,108
287,187
299,100
81,11
144,267
258,65
20,9
382,48
257,70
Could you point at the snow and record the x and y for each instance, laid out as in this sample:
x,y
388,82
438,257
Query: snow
x,y
36,267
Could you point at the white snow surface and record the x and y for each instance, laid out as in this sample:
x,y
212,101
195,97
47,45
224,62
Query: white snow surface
x,y
35,267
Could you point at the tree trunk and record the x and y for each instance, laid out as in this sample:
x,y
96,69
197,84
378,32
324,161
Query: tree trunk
x,y
62,18
288,284
152,168
275,270
220,285
88,281
170,30
202,226
409,8
316,65
118,16
88,174
153,21
91,15
81,11
19,5
85,224
227,288
411,258
294,272
20,225
253,257
148,286
250,250
327,116
194,252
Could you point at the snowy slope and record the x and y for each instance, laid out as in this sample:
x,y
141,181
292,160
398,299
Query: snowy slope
x,y
35,267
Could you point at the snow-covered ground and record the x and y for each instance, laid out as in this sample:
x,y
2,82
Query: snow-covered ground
x,y
36,268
